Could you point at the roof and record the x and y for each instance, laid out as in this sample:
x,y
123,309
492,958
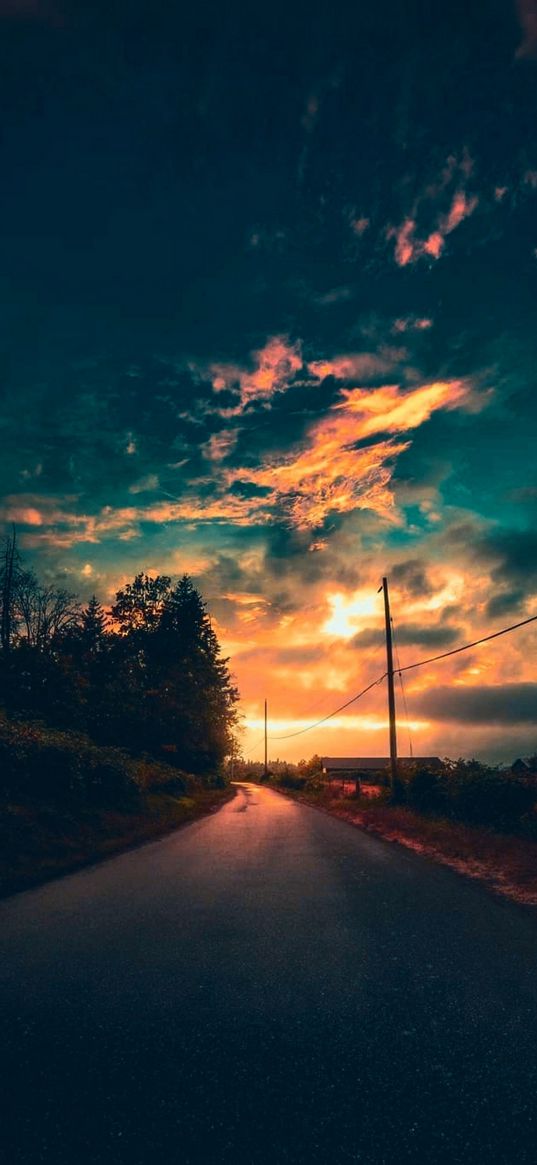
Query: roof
x,y
346,764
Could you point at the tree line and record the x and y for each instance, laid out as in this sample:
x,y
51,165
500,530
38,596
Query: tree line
x,y
147,676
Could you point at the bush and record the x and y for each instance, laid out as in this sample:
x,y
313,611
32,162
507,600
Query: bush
x,y
481,795
290,780
46,765
425,790
108,780
469,792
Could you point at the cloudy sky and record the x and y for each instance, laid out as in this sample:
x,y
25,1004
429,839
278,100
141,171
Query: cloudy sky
x,y
269,289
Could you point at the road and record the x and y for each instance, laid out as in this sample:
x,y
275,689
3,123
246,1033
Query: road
x,y
268,985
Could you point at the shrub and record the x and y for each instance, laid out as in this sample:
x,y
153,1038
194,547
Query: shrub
x,y
470,792
481,795
290,780
44,764
425,790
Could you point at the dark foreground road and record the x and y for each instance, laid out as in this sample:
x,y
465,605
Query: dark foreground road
x,y
268,985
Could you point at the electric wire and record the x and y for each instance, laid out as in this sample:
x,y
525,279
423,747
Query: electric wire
x,y
334,713
254,746
466,646
400,670
403,693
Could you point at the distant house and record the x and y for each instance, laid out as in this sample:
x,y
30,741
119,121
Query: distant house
x,y
520,769
523,770
369,768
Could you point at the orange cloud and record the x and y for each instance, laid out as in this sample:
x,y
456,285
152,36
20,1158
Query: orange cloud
x,y
390,410
409,246
433,246
360,225
412,323
358,365
274,367
220,444
329,474
462,207
404,241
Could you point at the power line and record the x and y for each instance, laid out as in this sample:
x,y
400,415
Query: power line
x,y
403,693
254,746
331,714
400,670
465,646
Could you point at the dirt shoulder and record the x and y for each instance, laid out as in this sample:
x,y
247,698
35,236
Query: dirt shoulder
x,y
506,864
40,842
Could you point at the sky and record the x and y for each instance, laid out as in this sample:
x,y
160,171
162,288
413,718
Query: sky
x,y
269,290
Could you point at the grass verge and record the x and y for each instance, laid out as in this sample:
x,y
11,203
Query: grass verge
x,y
39,842
506,864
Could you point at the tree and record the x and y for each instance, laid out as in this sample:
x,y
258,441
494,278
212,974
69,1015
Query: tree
x,y
9,571
92,628
139,605
150,679
311,767
45,612
194,692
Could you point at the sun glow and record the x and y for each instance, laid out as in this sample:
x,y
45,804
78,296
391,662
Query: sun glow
x,y
349,614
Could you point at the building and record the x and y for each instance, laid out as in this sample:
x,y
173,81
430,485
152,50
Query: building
x,y
371,769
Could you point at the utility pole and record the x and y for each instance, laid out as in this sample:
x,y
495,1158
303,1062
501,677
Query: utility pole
x,y
391,687
266,741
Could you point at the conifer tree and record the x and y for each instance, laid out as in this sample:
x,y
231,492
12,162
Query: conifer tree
x,y
93,628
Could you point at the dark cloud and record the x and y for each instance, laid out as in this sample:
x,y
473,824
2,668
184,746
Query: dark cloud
x,y
411,575
511,553
410,635
505,604
501,704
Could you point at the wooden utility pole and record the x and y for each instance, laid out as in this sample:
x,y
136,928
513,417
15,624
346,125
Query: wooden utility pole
x,y
266,741
391,687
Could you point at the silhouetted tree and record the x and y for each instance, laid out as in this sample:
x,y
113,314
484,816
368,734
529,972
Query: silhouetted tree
x,y
150,679
9,572
139,605
45,612
196,695
92,628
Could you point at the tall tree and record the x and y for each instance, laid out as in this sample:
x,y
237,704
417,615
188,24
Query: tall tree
x,y
196,692
9,569
139,605
46,612
92,628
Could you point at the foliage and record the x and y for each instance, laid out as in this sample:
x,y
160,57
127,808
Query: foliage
x,y
151,679
311,768
289,779
470,792
41,764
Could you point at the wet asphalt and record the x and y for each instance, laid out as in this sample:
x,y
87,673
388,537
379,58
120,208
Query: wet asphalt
x,y
267,985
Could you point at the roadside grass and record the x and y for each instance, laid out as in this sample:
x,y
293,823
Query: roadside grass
x,y
505,862
66,801
42,841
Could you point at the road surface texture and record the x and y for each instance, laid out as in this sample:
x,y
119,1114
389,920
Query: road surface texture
x,y
268,985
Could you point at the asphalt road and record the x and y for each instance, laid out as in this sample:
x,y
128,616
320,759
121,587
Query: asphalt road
x,y
268,985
